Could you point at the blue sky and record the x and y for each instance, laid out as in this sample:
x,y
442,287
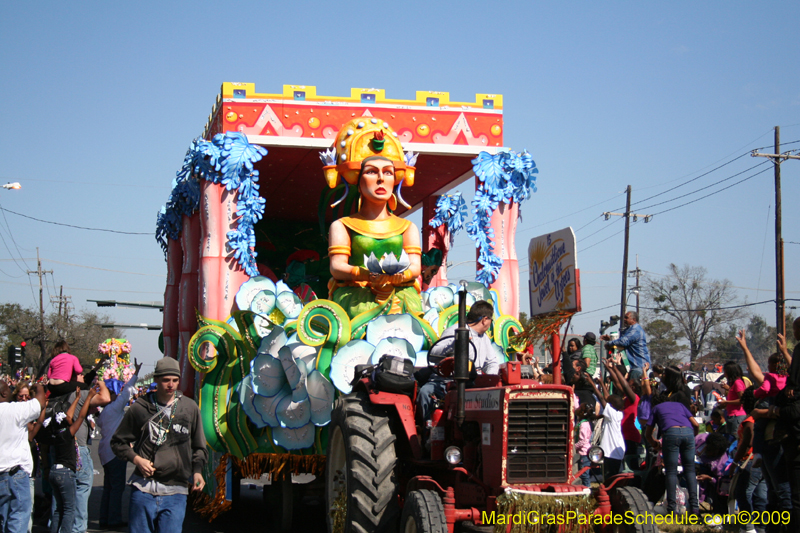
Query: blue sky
x,y
101,102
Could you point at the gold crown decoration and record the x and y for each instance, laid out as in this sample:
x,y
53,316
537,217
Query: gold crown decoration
x,y
361,138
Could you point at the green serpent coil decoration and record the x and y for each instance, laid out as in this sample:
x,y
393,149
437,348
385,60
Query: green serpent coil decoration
x,y
310,332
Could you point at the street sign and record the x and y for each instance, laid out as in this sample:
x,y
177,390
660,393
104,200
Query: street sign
x,y
554,278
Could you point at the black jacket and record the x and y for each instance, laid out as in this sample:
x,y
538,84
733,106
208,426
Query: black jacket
x,y
181,455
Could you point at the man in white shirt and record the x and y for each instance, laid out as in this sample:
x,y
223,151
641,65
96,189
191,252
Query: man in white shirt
x,y
16,462
114,468
487,358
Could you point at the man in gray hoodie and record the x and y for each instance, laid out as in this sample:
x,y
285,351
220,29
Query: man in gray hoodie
x,y
169,451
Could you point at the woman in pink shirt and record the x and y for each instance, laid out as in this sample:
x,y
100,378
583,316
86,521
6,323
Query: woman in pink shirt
x,y
63,370
770,383
733,404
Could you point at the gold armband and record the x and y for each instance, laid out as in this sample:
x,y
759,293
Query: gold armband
x,y
413,250
360,274
339,249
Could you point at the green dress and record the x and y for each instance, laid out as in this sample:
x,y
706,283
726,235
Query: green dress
x,y
355,299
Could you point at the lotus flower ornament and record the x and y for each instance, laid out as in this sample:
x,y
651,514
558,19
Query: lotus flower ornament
x,y
388,264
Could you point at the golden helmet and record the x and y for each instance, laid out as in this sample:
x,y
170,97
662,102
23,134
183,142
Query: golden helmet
x,y
361,138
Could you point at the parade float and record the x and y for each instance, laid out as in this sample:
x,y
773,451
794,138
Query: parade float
x,y
269,316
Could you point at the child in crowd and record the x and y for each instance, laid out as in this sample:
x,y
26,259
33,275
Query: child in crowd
x,y
583,441
713,460
751,486
717,422
631,389
612,442
63,370
732,403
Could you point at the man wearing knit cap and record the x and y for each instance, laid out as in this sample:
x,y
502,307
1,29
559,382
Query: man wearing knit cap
x,y
169,451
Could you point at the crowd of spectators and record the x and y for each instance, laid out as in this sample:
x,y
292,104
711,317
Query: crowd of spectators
x,y
47,424
647,417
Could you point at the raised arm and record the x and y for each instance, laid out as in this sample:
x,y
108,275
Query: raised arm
x,y
781,342
611,373
646,390
752,366
620,382
74,404
76,424
36,425
600,397
103,397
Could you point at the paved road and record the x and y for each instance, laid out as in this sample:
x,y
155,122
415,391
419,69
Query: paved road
x,y
250,515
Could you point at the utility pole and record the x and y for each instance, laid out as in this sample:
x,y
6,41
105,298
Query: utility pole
x,y
63,307
635,274
627,214
39,272
780,303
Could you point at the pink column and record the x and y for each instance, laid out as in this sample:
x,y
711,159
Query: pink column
x,y
504,223
171,299
211,250
220,275
232,275
187,319
434,238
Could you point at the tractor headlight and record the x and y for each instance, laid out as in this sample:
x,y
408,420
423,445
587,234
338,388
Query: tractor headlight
x,y
453,455
596,454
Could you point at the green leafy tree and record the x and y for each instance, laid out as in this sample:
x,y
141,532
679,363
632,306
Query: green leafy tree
x,y
760,337
662,341
694,304
82,332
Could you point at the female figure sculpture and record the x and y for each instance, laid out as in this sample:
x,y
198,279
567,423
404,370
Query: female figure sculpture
x,y
375,255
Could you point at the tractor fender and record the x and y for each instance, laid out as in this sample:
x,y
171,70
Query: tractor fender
x,y
405,413
425,483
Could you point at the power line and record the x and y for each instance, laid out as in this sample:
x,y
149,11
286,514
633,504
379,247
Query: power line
x,y
709,308
73,226
713,193
10,234
104,269
706,173
571,214
707,186
604,240
600,309
5,244
89,290
690,181
601,229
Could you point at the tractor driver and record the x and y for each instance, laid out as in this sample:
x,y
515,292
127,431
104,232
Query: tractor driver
x,y
487,359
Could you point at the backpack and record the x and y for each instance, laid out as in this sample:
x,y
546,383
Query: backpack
x,y
394,374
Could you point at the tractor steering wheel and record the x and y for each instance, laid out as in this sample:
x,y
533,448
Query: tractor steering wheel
x,y
436,359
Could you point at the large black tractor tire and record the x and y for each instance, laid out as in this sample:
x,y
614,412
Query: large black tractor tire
x,y
632,499
423,513
360,483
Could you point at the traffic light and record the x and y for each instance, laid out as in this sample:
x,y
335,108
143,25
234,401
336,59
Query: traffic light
x,y
22,346
14,355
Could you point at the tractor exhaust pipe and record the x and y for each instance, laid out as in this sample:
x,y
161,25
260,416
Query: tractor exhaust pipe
x,y
461,373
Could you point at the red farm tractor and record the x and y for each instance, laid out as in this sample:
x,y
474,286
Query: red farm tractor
x,y
500,453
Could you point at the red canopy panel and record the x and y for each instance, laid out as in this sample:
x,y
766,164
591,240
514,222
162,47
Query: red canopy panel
x,y
292,181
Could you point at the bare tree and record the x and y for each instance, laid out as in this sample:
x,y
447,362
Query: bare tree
x,y
693,303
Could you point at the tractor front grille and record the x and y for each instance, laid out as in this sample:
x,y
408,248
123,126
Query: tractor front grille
x,y
538,441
